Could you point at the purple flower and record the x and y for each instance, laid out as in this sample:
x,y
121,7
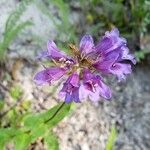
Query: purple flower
x,y
93,87
86,66
48,75
71,88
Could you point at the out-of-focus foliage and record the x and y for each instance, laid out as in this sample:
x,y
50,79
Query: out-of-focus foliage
x,y
140,55
65,30
111,138
51,141
30,127
13,26
16,92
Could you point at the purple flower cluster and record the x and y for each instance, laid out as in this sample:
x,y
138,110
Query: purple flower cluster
x,y
86,66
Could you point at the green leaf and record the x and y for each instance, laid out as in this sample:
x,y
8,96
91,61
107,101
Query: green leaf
x,y
38,125
111,138
31,120
141,54
13,27
38,131
7,134
9,36
16,14
2,103
22,141
51,141
54,120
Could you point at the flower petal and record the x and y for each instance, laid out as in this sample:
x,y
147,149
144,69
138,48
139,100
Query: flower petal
x,y
86,44
95,87
48,75
120,70
110,41
107,62
104,90
71,89
73,80
43,54
75,95
68,98
83,93
126,56
42,77
54,52
94,96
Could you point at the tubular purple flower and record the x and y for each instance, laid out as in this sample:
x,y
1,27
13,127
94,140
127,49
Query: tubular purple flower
x,y
93,87
71,89
120,70
49,75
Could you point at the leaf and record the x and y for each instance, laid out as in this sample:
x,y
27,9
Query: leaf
x,y
15,16
38,125
12,27
2,103
9,36
51,141
22,141
50,118
38,131
111,138
7,134
31,120
141,54
54,120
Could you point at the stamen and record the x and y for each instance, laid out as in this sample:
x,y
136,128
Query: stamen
x,y
68,62
62,59
74,49
55,62
92,86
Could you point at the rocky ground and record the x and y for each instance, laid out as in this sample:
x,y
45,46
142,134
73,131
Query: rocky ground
x,y
88,126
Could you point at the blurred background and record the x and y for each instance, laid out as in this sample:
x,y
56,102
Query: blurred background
x,y
25,28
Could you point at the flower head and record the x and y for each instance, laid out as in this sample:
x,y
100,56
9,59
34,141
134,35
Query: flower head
x,y
86,66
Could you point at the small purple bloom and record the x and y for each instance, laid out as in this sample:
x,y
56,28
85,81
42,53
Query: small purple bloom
x,y
86,66
71,89
43,54
93,87
48,75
